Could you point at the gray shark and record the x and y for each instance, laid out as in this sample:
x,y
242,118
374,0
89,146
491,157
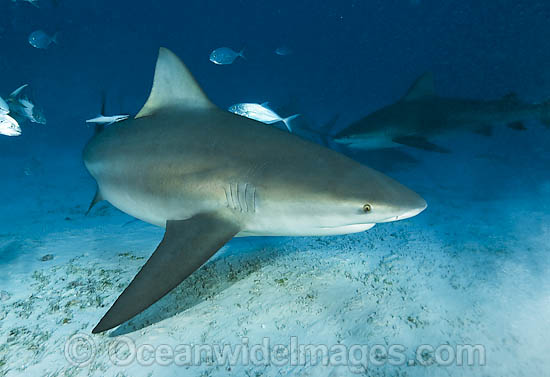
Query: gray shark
x,y
421,115
208,175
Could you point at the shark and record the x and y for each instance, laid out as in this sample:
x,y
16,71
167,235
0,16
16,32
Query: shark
x,y
207,175
421,115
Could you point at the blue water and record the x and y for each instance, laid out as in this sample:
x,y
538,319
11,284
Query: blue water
x,y
487,220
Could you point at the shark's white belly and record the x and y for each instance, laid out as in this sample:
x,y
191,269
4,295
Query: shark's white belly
x,y
306,231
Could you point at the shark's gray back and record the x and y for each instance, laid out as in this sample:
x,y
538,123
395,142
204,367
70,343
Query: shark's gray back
x,y
170,156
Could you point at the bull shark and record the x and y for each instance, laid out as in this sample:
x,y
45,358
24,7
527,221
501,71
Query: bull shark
x,y
207,175
421,115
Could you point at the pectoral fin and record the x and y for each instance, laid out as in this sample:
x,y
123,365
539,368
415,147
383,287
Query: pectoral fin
x,y
420,143
186,246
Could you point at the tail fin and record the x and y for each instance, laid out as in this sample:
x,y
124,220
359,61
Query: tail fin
x,y
241,54
287,121
55,38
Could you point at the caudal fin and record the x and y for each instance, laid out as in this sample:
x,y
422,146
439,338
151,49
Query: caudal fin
x,y
287,121
241,54
55,38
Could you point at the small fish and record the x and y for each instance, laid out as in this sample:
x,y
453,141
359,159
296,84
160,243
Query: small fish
x,y
31,112
4,107
107,120
24,107
32,2
261,112
283,51
39,39
225,55
9,126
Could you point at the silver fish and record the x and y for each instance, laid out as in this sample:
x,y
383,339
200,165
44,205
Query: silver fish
x,y
4,107
34,3
107,120
262,113
31,112
225,55
9,126
24,107
39,39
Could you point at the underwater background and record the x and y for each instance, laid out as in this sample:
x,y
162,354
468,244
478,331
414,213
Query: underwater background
x,y
472,269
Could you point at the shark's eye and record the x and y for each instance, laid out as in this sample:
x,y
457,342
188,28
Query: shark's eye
x,y
367,208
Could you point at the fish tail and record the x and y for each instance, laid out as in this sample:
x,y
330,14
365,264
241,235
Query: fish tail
x,y
287,121
241,54
55,38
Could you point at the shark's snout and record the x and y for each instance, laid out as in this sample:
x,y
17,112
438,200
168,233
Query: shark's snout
x,y
410,207
347,137
420,206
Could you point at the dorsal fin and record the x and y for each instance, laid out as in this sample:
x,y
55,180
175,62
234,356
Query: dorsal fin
x,y
17,91
173,85
421,88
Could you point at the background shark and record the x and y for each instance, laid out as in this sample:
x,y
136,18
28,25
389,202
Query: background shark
x,y
421,115
207,175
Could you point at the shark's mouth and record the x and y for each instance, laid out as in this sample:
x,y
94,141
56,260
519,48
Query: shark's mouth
x,y
403,216
360,227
